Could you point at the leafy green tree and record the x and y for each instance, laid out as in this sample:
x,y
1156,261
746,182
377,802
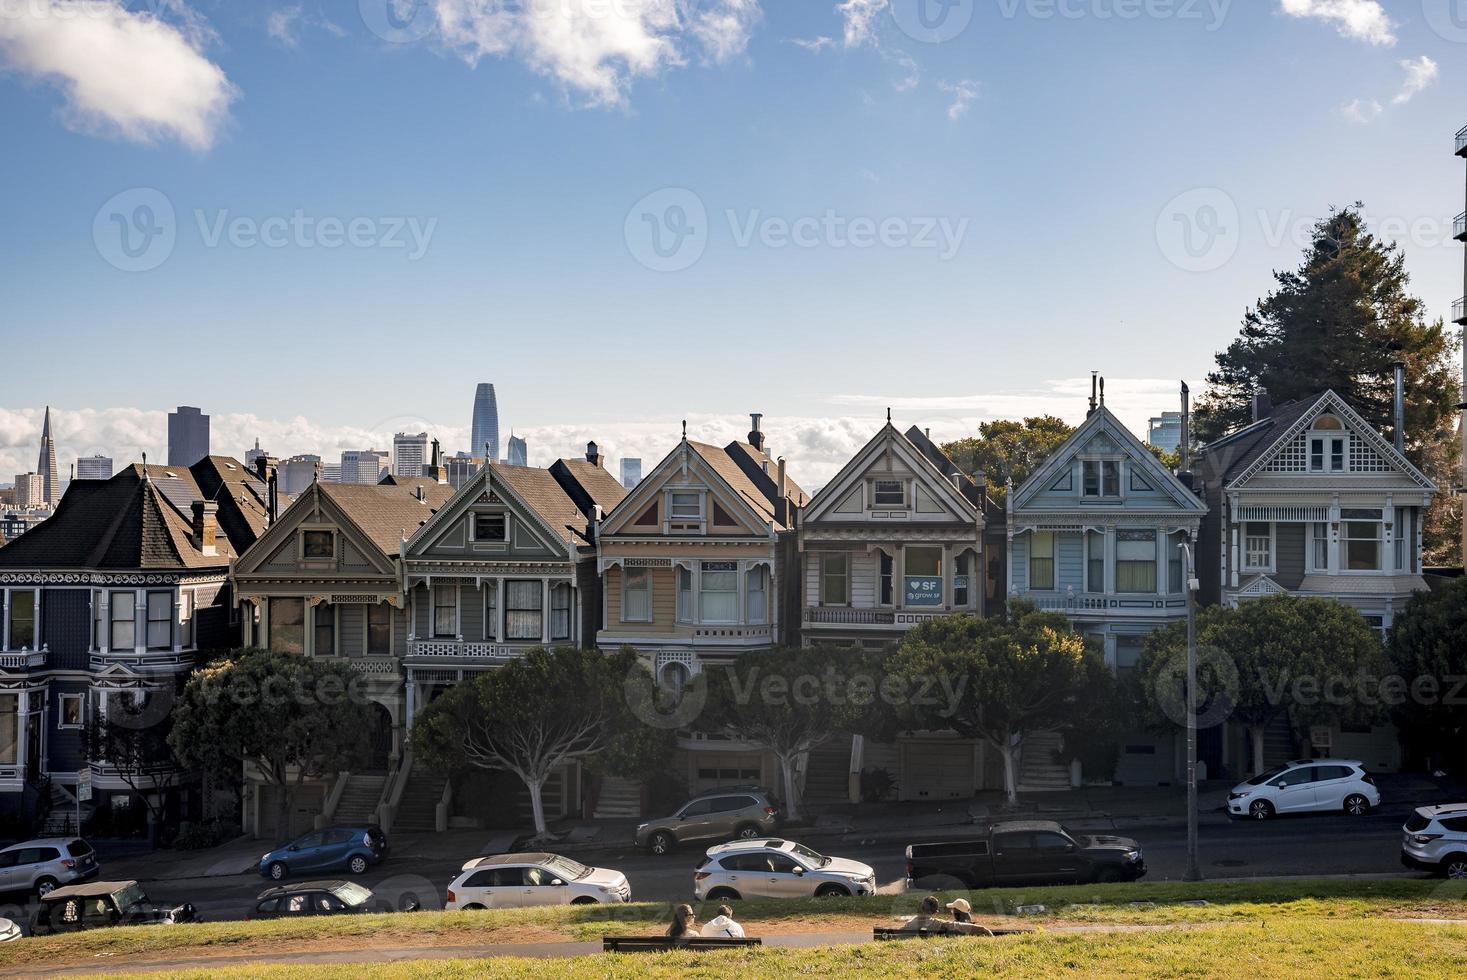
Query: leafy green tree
x,y
131,736
1428,651
791,700
1027,672
1311,660
1340,321
1009,450
529,717
292,718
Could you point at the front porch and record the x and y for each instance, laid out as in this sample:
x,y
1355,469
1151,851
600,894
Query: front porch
x,y
877,590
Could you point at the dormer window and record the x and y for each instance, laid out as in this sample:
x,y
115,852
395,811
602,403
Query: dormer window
x,y
888,493
491,527
685,506
318,545
1328,446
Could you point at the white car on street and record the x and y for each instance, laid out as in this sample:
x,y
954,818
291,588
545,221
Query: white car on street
x,y
1306,786
773,868
516,881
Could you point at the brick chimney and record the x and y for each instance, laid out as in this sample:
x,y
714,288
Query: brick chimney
x,y
206,526
593,454
756,437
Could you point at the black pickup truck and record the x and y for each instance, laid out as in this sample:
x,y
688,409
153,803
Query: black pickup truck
x,y
1035,852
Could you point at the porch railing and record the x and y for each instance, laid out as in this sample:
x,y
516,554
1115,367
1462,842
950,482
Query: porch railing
x,y
465,650
23,659
844,616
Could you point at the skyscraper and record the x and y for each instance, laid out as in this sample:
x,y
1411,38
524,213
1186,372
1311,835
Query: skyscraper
x,y
631,471
29,490
362,465
519,452
486,423
1165,431
46,468
295,475
94,468
188,436
253,454
409,454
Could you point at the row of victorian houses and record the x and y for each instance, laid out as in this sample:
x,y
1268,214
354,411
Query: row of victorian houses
x,y
716,552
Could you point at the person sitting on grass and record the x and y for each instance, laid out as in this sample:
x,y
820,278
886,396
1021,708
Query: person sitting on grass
x,y
963,919
684,923
927,918
723,926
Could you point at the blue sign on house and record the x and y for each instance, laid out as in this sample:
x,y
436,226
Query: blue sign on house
x,y
923,590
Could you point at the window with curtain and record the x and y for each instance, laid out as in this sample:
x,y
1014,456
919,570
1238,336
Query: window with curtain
x,y
1257,545
1136,561
160,620
1319,546
123,611
445,611
835,579
756,595
718,592
323,622
524,604
9,729
1094,561
186,619
379,630
560,612
287,625
684,595
636,595
22,618
1041,561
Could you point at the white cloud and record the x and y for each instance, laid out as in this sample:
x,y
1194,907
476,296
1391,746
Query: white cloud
x,y
1363,111
1363,20
963,94
130,73
1420,75
814,45
911,75
284,25
597,50
860,19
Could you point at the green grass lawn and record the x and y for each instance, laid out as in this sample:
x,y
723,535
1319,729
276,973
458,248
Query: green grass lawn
x,y
1289,948
1262,904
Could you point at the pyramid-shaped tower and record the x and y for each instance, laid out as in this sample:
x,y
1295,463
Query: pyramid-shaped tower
x,y
46,466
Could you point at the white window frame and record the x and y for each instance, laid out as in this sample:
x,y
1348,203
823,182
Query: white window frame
x,y
1034,556
1313,560
756,575
433,606
171,615
1153,562
645,574
329,532
672,505
187,610
70,697
1345,539
129,602
558,590
826,557
500,540
1249,553
1100,464
686,590
876,492
704,593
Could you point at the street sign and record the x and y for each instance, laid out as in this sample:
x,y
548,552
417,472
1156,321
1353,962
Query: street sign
x,y
923,590
84,786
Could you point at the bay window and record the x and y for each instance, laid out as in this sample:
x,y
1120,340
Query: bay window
x,y
960,581
445,610
1319,547
835,579
524,604
1136,561
636,596
1257,546
1041,561
186,619
718,592
9,729
123,612
756,595
287,625
1175,574
323,623
560,611
1361,541
160,620
379,628
1403,533
887,570
22,619
684,595
1095,562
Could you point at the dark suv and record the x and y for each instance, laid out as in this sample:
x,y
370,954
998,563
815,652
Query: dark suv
x,y
743,814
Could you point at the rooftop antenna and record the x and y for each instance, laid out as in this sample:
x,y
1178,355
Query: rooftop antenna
x,y
1102,392
145,468
685,428
1094,376
888,415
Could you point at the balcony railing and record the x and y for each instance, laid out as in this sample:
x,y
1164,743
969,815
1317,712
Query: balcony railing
x,y
1126,604
1459,227
1459,311
23,659
1462,139
447,650
842,616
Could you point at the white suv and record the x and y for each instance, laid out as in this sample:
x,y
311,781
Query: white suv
x,y
514,881
1436,840
1306,785
778,869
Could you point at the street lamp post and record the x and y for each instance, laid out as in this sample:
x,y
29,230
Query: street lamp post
x,y
1194,868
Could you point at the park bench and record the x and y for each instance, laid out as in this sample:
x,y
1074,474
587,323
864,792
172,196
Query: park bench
x,y
889,932
665,944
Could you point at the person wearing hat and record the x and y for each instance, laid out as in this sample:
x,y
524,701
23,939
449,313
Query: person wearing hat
x,y
963,919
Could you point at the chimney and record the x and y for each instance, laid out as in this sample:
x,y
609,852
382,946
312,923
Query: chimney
x,y
1400,416
756,438
1094,376
785,507
418,492
1186,441
265,470
597,515
593,454
206,526
783,483
1262,405
980,477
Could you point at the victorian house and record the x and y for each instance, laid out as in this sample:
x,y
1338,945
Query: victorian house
x,y
898,537
1310,500
1096,535
693,563
115,596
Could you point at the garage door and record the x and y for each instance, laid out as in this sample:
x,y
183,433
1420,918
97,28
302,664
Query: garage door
x,y
712,770
936,771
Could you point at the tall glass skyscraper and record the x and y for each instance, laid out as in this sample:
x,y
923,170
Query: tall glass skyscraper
x,y
519,452
486,423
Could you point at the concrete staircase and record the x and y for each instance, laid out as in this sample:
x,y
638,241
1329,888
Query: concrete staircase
x,y
1278,744
1038,770
359,800
620,799
417,811
827,773
61,820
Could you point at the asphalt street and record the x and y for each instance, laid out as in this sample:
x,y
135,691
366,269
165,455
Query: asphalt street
x,y
1307,846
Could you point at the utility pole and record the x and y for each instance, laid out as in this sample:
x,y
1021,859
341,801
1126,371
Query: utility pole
x,y
1194,868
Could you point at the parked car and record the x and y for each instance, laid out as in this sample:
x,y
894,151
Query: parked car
x,y
774,868
41,865
1306,786
102,904
316,898
1030,852
353,848
724,814
512,881
1436,840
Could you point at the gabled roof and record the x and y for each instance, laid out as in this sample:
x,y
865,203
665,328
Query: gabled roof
x,y
1240,448
588,483
1103,420
944,464
241,495
723,463
753,462
547,498
141,518
387,513
922,455
743,495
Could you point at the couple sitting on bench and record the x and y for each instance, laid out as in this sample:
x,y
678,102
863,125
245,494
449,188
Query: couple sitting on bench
x,y
929,919
722,926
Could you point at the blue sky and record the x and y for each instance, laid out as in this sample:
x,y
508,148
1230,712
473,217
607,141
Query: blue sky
x,y
1062,186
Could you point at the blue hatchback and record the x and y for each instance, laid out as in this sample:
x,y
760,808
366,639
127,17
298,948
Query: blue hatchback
x,y
353,849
